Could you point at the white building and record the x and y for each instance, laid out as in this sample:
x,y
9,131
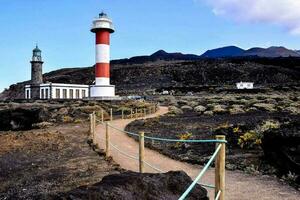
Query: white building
x,y
245,85
58,91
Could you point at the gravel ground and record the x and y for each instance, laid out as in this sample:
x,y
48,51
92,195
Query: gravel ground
x,y
41,163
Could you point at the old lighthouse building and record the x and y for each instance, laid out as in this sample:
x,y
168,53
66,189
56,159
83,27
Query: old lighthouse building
x,y
40,90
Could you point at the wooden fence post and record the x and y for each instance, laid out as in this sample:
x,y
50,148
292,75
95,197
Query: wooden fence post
x,y
94,126
111,114
107,147
131,113
102,115
220,169
136,113
141,152
91,125
122,113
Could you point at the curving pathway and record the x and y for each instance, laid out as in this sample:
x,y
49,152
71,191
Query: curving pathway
x,y
239,186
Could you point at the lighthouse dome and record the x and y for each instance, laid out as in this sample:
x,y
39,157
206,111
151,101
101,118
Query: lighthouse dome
x,y
36,49
36,54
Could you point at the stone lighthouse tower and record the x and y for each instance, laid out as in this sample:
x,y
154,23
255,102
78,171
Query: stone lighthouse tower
x,y
102,27
36,67
36,73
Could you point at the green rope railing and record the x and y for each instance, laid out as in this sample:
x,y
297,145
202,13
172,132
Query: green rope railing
x,y
207,185
169,140
184,195
122,152
218,195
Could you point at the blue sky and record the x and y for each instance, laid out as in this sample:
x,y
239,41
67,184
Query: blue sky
x,y
61,28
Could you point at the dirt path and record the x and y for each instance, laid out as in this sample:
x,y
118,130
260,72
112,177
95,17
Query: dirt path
x,y
42,163
239,186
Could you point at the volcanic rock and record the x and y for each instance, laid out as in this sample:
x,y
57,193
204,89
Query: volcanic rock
x,y
137,186
21,118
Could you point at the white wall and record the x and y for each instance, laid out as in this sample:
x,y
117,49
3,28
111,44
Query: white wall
x,y
51,94
61,89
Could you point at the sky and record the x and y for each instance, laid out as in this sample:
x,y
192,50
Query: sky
x,y
62,29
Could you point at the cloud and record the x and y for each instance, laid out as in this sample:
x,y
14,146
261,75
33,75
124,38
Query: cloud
x,y
285,13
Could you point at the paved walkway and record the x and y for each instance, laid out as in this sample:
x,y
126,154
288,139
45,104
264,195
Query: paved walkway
x,y
239,186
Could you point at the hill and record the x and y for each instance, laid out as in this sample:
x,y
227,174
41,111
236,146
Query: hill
x,y
233,51
271,52
136,78
229,51
159,55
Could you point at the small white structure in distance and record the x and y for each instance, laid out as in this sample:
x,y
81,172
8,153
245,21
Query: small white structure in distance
x,y
134,97
165,92
245,85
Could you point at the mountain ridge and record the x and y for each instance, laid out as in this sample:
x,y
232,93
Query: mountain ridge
x,y
222,52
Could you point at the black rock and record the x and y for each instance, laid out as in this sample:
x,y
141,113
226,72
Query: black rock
x,y
132,185
21,118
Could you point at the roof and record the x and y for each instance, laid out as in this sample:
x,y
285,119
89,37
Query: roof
x,y
36,49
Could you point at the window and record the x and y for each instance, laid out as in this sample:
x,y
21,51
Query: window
x,y
27,94
83,93
77,94
47,93
57,93
43,94
71,94
64,93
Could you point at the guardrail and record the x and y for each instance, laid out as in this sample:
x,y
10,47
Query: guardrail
x,y
218,155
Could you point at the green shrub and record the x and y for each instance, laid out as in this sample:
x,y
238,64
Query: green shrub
x,y
268,124
184,136
250,139
67,119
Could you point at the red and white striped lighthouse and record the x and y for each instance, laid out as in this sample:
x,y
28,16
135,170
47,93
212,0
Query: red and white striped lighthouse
x,y
102,27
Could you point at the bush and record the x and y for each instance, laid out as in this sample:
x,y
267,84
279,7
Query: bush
x,y
175,111
265,107
186,108
253,138
267,125
184,136
219,109
210,113
293,110
236,109
200,109
250,140
67,119
193,103
78,121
